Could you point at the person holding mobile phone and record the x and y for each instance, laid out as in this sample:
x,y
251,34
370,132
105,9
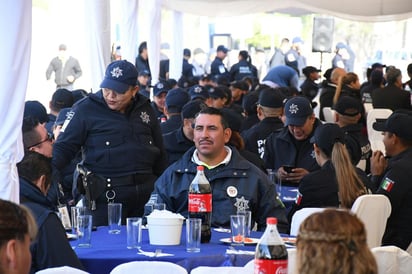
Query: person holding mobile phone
x,y
291,145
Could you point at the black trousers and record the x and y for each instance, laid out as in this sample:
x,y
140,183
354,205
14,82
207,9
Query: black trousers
x,y
132,196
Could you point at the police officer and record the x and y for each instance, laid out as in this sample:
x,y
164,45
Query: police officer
x,y
337,183
394,176
291,146
180,140
175,99
217,68
243,68
236,183
348,111
269,112
159,99
120,139
309,87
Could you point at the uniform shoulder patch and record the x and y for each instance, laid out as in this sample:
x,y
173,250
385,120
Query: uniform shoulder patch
x,y
387,184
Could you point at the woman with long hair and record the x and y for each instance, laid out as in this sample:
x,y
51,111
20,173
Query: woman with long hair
x,y
348,85
243,68
338,183
333,241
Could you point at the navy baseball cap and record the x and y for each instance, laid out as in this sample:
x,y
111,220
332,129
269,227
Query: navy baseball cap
x,y
222,48
62,98
119,76
249,102
198,91
326,135
144,72
398,123
297,110
192,108
175,99
160,87
348,106
271,98
61,117
219,92
35,109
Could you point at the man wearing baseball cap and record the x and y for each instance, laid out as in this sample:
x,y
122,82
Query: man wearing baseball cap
x,y
291,145
122,148
393,175
217,68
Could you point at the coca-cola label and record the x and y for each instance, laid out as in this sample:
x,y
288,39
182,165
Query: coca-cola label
x,y
200,202
271,266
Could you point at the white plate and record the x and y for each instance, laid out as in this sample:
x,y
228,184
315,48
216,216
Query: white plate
x,y
250,241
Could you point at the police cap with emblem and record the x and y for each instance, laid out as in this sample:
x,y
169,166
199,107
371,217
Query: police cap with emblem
x,y
297,110
119,76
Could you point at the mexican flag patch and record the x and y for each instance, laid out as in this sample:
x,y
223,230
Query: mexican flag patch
x,y
387,184
298,198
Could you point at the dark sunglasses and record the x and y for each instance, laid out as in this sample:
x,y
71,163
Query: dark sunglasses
x,y
49,138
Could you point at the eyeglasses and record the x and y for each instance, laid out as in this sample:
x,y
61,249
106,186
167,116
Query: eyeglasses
x,y
49,138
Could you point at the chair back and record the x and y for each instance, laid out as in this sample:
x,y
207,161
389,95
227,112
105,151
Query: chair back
x,y
61,270
375,137
392,259
148,267
300,216
373,210
329,114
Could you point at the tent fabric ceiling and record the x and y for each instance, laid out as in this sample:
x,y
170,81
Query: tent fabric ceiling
x,y
365,10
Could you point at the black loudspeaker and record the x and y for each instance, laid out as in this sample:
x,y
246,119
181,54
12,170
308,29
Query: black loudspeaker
x,y
322,36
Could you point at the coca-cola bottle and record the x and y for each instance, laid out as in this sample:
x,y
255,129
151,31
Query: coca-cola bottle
x,y
271,255
200,202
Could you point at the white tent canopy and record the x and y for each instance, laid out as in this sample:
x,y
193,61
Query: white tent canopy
x,y
15,24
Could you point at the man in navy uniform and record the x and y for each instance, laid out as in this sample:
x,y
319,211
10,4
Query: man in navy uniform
x,y
291,146
117,131
269,112
175,99
236,183
394,175
217,68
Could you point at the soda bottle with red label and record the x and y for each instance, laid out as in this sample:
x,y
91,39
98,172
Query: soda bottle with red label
x,y
200,203
271,255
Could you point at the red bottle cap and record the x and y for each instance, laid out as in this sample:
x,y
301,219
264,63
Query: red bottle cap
x,y
271,221
200,168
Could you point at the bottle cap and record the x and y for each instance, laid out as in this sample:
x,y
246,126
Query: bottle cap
x,y
271,221
200,168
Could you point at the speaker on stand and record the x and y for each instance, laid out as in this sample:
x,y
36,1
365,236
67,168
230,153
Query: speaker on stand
x,y
322,36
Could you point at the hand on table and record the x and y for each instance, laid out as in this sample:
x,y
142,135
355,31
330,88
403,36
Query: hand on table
x,y
295,176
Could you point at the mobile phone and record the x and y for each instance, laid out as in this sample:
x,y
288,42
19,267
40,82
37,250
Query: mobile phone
x,y
288,168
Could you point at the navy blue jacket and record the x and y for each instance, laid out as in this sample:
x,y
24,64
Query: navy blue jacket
x,y
51,248
217,68
176,144
252,188
242,69
255,137
113,144
174,122
280,149
395,183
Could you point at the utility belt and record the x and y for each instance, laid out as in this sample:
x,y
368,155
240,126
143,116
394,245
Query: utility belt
x,y
93,185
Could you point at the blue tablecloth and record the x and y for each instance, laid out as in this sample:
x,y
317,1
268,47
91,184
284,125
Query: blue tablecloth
x,y
110,250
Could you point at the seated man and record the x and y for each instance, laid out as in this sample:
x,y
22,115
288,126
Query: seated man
x,y
17,229
236,183
291,145
394,176
51,248
348,112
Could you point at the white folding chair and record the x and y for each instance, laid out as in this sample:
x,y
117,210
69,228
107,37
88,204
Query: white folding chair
x,y
61,270
148,267
392,259
220,270
329,114
375,137
300,216
291,262
373,210
368,107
